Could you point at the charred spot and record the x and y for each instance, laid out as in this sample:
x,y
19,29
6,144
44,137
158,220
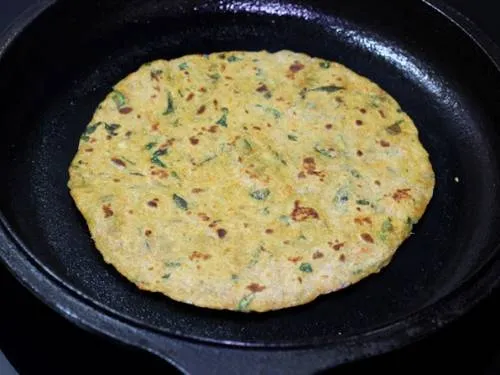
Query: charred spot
x,y
318,255
139,116
362,110
359,153
197,190
328,126
262,88
303,213
190,96
377,182
118,162
367,237
342,257
382,114
269,231
128,134
384,143
106,208
339,99
221,232
201,109
147,232
152,203
194,141
359,122
90,149
338,246
125,110
254,287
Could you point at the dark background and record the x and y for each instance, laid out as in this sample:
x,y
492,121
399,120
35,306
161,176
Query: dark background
x,y
38,341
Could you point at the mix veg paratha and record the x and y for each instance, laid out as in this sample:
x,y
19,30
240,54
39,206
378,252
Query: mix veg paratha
x,y
249,181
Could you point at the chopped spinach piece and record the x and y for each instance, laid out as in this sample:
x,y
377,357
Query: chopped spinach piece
x,y
329,88
233,58
170,104
172,264
214,77
150,145
260,194
324,64
292,137
285,219
180,202
245,302
119,99
363,202
355,173
306,267
223,120
324,152
183,66
166,276
341,197
156,160
160,152
111,129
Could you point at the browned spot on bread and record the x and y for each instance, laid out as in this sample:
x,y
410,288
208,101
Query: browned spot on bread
x,y
152,203
362,220
118,162
221,232
359,153
338,246
262,88
197,190
367,237
201,109
384,143
254,287
213,129
359,122
401,194
296,66
155,126
342,257
328,126
194,141
303,213
198,255
125,110
148,232
106,208
318,255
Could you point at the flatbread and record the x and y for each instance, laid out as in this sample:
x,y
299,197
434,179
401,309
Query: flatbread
x,y
249,181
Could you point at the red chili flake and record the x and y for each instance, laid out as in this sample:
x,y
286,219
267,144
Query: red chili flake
x,y
328,126
269,231
152,204
317,255
401,194
362,110
338,246
198,255
381,113
359,153
262,88
125,110
221,233
107,210
190,96
367,237
147,232
359,122
342,257
303,213
118,162
194,141
296,66
384,143
201,109
254,287
294,259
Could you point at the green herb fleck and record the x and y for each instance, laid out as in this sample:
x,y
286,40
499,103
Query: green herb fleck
x,y
395,128
170,104
341,198
245,302
260,194
355,173
265,211
119,99
180,202
158,162
248,145
329,88
233,58
324,152
183,66
223,120
258,71
324,64
274,112
214,77
172,264
174,175
302,237
150,145
292,137
166,276
363,202
234,277
111,129
285,219
387,225
92,128
306,267
160,152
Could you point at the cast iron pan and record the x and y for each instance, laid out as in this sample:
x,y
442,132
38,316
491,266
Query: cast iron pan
x,y
62,57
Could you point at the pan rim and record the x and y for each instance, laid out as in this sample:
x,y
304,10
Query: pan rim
x,y
38,272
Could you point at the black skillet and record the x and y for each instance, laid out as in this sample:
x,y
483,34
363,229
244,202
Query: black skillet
x,y
60,59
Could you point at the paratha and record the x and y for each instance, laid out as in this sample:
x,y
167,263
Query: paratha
x,y
249,181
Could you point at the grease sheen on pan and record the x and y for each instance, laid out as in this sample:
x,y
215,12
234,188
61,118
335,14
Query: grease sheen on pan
x,y
249,181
